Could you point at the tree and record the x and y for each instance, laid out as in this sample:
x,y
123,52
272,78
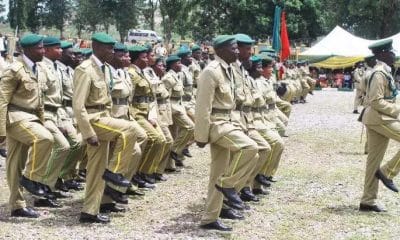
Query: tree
x,y
148,9
17,14
170,13
58,12
125,15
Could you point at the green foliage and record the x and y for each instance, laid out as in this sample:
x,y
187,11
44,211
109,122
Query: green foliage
x,y
57,12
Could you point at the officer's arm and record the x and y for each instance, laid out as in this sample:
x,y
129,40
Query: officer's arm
x,y
376,94
8,85
168,81
82,83
205,96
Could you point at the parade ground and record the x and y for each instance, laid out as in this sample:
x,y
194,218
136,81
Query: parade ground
x,y
319,186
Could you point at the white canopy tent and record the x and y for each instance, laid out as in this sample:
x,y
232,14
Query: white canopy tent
x,y
339,42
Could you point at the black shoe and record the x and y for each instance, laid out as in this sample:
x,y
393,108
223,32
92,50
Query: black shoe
x,y
25,212
227,213
33,187
3,152
82,173
178,161
46,203
386,181
61,194
236,206
89,218
138,181
71,184
48,193
186,152
217,225
271,179
111,207
60,185
247,195
147,178
311,92
131,192
115,195
355,112
261,179
79,179
116,178
259,191
230,194
370,208
159,177
172,170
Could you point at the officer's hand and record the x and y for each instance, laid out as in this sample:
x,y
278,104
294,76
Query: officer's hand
x,y
201,144
2,138
93,141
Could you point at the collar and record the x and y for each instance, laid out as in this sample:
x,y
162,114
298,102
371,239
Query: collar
x,y
61,65
28,62
222,62
97,61
386,67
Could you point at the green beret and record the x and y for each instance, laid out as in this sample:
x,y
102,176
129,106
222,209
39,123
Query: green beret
x,y
65,44
51,41
137,49
30,40
172,58
384,45
183,51
77,50
265,59
369,58
103,38
266,49
221,40
244,39
255,59
120,47
195,47
149,47
86,51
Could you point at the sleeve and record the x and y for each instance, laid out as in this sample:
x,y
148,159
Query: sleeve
x,y
376,96
168,81
205,96
8,86
82,83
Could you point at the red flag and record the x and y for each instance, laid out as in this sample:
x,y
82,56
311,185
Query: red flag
x,y
285,46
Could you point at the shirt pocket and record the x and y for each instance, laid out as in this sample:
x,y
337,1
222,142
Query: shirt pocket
x,y
99,89
29,84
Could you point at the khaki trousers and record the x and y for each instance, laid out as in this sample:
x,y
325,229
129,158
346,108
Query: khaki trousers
x,y
58,156
232,157
22,137
155,148
378,140
107,129
166,160
277,147
358,99
284,106
185,130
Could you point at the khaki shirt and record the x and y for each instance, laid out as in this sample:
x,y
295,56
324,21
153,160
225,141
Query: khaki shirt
x,y
21,87
215,89
67,75
142,89
53,89
173,83
381,107
195,70
91,88
187,80
357,77
122,90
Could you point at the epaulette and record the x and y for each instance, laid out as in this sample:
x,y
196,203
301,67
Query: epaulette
x,y
16,66
213,64
86,63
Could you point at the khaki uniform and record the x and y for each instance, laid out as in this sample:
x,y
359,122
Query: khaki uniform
x,y
21,120
68,123
183,123
267,128
195,70
381,119
52,102
189,97
143,108
92,107
357,79
164,118
232,151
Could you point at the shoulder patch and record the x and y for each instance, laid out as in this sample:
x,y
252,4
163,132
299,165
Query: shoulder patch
x,y
17,65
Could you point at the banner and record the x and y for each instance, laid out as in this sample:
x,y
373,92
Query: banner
x,y
285,44
276,33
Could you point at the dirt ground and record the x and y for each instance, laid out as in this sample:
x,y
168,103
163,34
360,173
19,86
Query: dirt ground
x,y
317,195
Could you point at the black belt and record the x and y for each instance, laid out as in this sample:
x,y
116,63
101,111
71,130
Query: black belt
x,y
100,107
221,111
258,109
161,101
242,108
50,108
186,98
67,103
18,108
143,99
176,98
120,101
